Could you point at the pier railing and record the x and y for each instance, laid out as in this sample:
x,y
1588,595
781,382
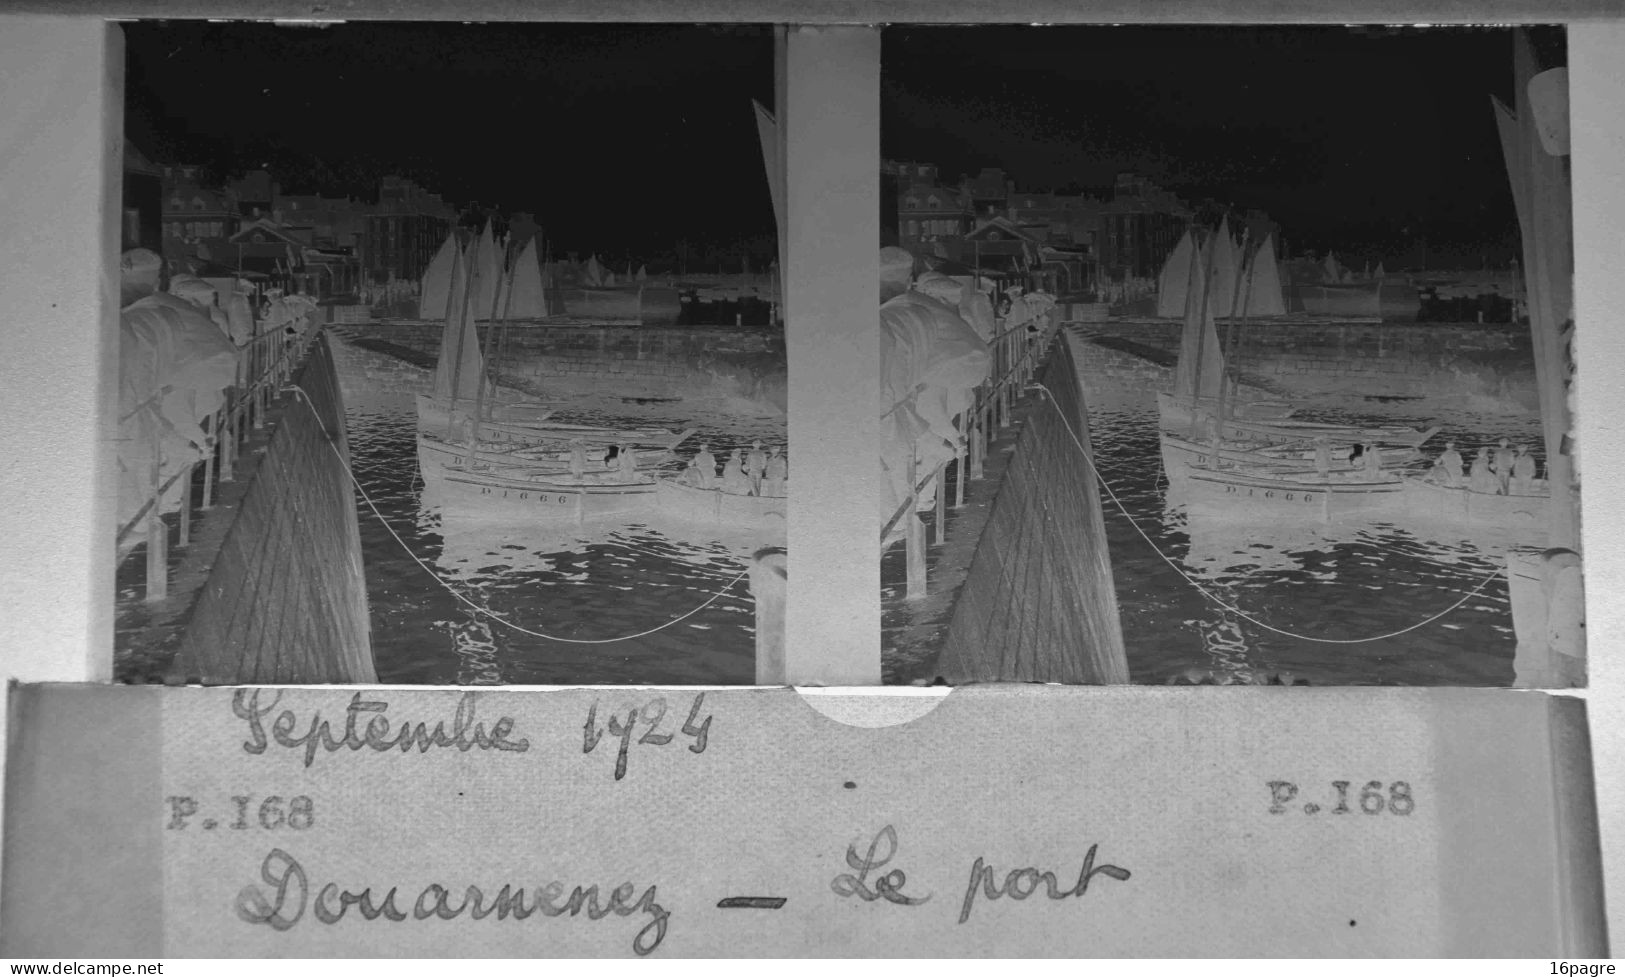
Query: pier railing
x,y
1017,352
263,365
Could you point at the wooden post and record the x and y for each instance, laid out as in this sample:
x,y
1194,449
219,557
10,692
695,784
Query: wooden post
x,y
914,532
942,501
914,545
768,576
208,463
157,534
185,537
960,451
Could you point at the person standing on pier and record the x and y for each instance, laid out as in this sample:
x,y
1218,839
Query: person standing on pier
x,y
706,462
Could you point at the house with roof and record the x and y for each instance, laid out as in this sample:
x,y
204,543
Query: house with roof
x,y
196,218
929,214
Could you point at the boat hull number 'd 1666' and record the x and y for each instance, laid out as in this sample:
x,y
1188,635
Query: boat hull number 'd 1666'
x,y
539,496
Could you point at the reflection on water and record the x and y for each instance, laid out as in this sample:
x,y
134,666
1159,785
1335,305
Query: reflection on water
x,y
1270,586
559,596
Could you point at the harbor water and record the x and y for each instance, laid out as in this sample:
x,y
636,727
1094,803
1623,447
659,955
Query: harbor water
x,y
1348,603
456,600
1236,598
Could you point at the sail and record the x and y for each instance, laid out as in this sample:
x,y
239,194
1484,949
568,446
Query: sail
x,y
526,300
458,371
1331,271
1201,364
1541,197
487,264
1174,282
1263,295
594,274
437,280
1226,272
643,273
767,129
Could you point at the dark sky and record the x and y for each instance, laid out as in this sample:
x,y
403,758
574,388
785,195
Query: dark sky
x,y
625,139
617,138
1347,137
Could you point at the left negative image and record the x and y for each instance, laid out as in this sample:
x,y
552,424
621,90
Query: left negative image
x,y
450,354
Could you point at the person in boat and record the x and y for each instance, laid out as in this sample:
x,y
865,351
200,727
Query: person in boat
x,y
627,461
735,480
1449,464
755,465
775,474
1481,479
1323,456
691,475
1523,472
1373,463
578,456
1501,461
706,462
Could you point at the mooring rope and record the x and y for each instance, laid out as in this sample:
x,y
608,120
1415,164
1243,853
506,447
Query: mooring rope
x,y
1050,396
487,612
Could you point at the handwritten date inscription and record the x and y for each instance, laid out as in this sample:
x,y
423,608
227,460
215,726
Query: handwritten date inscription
x,y
377,734
652,715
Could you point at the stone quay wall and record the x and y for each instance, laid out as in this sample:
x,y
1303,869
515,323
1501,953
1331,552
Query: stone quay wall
x,y
1307,357
624,360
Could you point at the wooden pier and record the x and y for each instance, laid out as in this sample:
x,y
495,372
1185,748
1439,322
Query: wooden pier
x,y
257,577
286,601
1039,603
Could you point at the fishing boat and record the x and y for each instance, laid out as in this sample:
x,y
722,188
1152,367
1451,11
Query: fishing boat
x,y
551,455
516,493
1522,507
521,473
1180,454
1294,493
715,505
1268,468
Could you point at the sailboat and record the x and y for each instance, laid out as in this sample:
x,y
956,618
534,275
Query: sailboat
x,y
1257,429
1200,372
438,277
460,371
474,451
1276,471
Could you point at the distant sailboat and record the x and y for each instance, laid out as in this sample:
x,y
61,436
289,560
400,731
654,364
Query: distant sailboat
x,y
525,296
487,265
438,278
1222,290
1173,286
1264,296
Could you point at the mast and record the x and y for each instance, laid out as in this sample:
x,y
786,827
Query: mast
x,y
479,396
1198,298
462,327
1230,350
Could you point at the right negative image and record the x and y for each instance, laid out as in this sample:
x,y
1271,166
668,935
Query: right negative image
x,y
1228,356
